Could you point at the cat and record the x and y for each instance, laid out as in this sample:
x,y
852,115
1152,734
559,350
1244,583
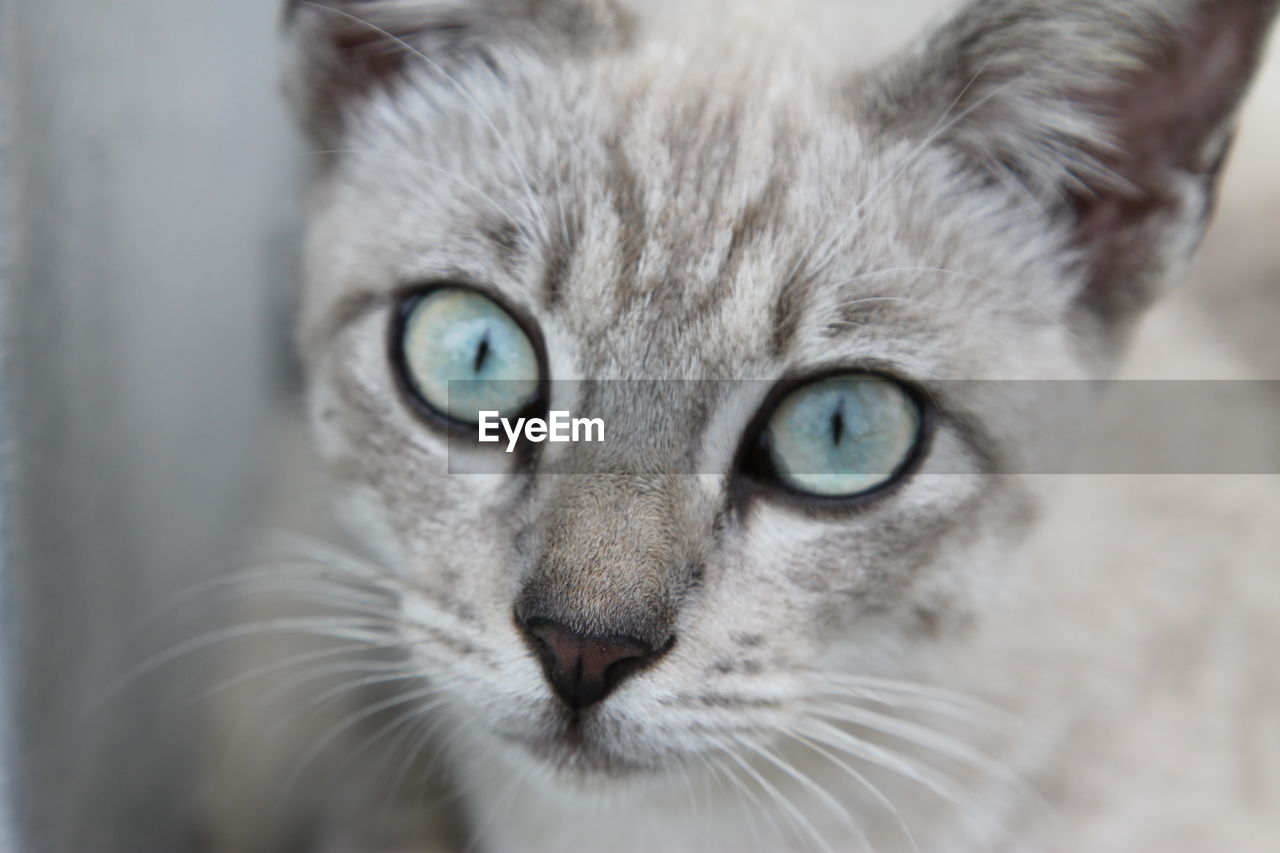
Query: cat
x,y
746,654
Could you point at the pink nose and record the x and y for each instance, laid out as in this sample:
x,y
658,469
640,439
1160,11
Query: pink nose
x,y
584,670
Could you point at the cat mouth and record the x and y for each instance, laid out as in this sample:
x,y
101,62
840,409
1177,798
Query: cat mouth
x,y
578,744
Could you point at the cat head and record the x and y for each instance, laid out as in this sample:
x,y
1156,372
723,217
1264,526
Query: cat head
x,y
618,192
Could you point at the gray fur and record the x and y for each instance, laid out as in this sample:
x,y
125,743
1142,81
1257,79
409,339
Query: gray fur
x,y
696,194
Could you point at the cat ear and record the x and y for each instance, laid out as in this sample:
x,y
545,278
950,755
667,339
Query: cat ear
x,y
1115,114
343,51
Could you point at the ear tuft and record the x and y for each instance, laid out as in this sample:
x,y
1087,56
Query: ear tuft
x,y
1116,114
345,50
342,51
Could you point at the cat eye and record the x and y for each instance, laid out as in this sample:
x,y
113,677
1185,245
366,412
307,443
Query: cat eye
x,y
455,333
838,437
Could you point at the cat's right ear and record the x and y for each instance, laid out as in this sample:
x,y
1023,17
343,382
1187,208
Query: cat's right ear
x,y
343,52
1113,115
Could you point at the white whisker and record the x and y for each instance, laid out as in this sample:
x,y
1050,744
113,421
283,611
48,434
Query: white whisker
x,y
837,738
289,663
338,629
862,780
915,734
746,793
961,713
335,731
801,823
944,124
812,787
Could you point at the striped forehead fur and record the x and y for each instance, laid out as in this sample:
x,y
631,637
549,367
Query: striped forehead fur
x,y
703,190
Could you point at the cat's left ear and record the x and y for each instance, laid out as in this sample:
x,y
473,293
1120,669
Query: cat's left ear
x,y
344,51
1115,114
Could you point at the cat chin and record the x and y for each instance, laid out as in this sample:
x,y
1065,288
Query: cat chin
x,y
583,751
582,762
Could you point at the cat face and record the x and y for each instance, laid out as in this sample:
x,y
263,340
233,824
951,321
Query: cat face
x,y
688,222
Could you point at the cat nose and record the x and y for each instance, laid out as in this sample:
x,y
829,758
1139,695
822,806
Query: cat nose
x,y
583,670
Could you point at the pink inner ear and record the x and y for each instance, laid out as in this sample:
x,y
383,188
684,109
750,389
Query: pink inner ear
x,y
1171,118
1175,109
365,45
370,51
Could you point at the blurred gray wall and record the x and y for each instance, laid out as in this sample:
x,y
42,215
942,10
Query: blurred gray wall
x,y
148,180
8,635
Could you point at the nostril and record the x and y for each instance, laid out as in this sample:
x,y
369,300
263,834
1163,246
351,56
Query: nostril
x,y
584,669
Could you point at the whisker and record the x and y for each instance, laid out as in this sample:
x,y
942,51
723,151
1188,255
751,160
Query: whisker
x,y
686,777
837,738
945,123
804,825
349,629
286,664
419,740
381,674
284,547
910,687
335,731
745,792
250,722
861,780
940,707
398,721
812,787
915,734
302,589
248,579
939,742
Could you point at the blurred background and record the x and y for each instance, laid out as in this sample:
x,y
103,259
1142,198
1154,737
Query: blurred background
x,y
150,197
149,179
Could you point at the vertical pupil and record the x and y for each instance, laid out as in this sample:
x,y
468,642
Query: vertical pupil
x,y
482,353
837,425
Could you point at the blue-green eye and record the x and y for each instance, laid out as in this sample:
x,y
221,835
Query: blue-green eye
x,y
453,333
841,436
